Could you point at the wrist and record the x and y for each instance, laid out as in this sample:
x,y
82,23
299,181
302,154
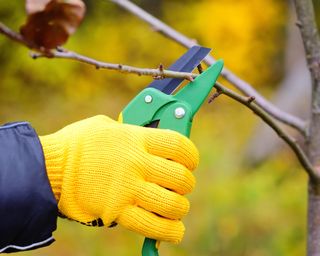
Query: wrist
x,y
53,154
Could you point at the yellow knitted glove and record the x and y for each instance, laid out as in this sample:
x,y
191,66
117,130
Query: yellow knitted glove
x,y
100,169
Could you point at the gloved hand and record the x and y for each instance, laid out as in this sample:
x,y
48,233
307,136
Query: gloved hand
x,y
135,176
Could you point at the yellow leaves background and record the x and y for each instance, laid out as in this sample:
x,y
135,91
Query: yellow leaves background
x,y
238,31
236,209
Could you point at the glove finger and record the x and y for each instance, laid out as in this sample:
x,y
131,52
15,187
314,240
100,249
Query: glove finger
x,y
150,225
170,175
172,145
161,201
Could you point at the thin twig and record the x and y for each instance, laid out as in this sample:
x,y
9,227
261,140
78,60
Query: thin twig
x,y
14,36
200,68
242,85
292,143
158,73
61,53
214,96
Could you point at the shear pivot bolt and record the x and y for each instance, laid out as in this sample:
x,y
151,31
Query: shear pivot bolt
x,y
179,112
148,99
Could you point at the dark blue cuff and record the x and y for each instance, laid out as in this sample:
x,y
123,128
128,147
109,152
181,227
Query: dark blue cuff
x,y
28,209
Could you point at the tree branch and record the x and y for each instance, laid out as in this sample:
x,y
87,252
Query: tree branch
x,y
292,143
14,36
311,41
242,85
160,72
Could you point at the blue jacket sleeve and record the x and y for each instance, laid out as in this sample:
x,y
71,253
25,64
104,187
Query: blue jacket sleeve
x,y
28,209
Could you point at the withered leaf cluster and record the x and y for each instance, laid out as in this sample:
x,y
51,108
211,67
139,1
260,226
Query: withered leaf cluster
x,y
50,22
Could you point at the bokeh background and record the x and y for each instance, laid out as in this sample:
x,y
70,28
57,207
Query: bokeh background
x,y
244,203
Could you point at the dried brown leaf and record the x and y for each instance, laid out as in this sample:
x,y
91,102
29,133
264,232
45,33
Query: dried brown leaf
x,y
33,6
52,26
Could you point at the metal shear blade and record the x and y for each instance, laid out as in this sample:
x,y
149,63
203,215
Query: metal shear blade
x,y
186,63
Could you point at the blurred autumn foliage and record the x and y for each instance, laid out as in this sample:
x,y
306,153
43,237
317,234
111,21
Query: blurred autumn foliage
x,y
235,209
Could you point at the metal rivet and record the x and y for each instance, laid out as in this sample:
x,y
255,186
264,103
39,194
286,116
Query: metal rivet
x,y
179,112
148,99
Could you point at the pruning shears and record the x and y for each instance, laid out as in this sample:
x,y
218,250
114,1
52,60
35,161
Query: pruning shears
x,y
156,106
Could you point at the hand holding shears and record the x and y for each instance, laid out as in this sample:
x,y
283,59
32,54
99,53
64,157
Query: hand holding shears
x,y
156,107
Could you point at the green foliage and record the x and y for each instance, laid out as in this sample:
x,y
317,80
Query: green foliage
x,y
235,210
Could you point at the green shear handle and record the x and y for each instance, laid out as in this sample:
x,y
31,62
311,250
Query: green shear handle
x,y
173,112
149,247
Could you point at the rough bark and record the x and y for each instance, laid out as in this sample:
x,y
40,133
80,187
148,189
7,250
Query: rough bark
x,y
311,41
313,242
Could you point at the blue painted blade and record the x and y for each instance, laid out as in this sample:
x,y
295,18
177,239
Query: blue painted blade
x,y
186,63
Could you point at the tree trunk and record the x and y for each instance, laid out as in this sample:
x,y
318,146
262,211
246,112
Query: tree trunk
x,y
311,41
313,242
